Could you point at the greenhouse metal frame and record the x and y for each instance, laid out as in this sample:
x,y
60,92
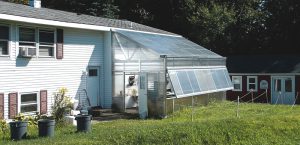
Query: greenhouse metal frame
x,y
174,67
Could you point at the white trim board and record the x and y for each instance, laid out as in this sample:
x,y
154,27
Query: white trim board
x,y
114,30
52,23
70,25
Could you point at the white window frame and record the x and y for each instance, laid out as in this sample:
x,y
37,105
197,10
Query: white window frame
x,y
37,99
240,78
53,46
37,42
8,41
248,83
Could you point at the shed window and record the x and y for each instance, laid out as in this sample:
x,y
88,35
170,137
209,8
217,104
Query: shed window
x,y
29,103
237,83
193,82
277,87
4,38
251,83
288,85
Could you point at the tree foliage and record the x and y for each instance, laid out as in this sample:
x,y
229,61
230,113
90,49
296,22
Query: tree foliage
x,y
226,26
103,8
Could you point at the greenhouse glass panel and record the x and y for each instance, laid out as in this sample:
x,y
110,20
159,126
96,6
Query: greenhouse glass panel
x,y
184,82
172,46
193,82
175,83
205,79
229,83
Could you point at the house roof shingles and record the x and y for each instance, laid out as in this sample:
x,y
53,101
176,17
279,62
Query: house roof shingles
x,y
263,63
63,16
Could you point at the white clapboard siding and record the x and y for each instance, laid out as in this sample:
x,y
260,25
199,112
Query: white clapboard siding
x,y
81,49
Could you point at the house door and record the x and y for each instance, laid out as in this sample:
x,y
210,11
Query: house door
x,y
283,90
93,85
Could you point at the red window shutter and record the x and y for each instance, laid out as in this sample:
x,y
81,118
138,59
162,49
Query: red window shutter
x,y
43,101
1,106
60,44
13,105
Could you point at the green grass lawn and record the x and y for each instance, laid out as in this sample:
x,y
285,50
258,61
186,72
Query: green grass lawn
x,y
213,124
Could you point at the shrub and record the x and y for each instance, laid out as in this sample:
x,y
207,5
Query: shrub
x,y
62,104
4,128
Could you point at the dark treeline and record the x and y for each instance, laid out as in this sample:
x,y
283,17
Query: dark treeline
x,y
225,26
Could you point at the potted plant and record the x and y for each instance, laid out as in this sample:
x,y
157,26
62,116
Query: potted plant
x,y
46,126
18,128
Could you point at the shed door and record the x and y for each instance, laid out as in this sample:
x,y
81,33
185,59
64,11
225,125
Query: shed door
x,y
283,90
93,85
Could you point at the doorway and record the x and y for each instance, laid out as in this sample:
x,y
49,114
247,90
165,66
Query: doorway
x,y
93,85
283,90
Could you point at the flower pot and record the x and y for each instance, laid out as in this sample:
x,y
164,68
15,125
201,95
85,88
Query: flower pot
x,y
18,130
83,123
46,127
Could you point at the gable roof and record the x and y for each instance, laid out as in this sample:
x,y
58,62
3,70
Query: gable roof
x,y
263,63
12,9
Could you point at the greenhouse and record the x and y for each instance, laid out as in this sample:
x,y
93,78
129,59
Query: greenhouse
x,y
149,69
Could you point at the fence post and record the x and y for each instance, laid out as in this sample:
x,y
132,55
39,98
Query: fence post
x,y
267,96
252,94
192,108
173,108
238,104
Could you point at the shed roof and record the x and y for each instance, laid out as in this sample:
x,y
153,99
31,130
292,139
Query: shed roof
x,y
171,46
263,64
63,16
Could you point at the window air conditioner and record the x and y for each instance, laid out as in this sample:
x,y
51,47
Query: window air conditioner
x,y
27,51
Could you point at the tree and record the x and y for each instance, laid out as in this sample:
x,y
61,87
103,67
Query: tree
x,y
282,24
25,2
103,8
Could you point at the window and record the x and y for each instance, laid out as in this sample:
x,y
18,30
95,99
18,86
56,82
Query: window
x,y
288,85
33,40
93,72
252,83
46,47
191,82
237,83
27,41
277,87
4,39
29,103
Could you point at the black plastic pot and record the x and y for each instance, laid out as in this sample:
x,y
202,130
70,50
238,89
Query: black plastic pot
x,y
46,127
18,130
83,123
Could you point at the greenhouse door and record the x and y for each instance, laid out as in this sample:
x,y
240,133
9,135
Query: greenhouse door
x,y
283,90
142,101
